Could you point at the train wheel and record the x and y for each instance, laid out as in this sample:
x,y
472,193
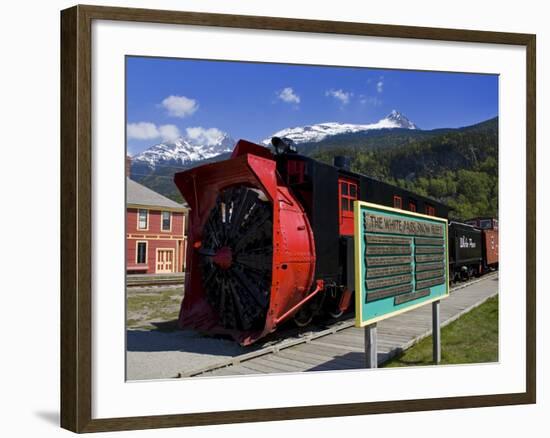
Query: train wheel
x,y
332,308
331,304
336,313
303,317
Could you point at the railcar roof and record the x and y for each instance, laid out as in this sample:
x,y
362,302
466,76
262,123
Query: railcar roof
x,y
360,175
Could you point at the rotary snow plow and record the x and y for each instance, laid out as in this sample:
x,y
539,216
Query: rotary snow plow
x,y
251,251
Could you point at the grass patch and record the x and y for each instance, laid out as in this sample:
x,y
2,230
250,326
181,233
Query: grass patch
x,y
473,338
149,309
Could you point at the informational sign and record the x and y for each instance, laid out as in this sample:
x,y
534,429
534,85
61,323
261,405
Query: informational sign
x,y
401,261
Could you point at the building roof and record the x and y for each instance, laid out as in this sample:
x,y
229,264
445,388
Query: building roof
x,y
137,194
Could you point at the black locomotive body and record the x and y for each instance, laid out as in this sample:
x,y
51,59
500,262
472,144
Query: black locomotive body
x,y
327,193
465,251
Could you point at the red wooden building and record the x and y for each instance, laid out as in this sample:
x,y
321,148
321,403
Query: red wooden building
x,y
155,232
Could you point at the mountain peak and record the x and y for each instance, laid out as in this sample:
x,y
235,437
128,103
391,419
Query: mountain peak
x,y
399,119
319,131
197,145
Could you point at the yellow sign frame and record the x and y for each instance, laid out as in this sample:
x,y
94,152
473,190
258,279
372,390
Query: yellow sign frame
x,y
359,280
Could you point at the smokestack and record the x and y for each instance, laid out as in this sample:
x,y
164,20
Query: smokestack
x,y
128,166
342,162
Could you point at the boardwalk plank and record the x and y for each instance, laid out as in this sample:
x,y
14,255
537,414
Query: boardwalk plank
x,y
276,365
331,353
253,364
290,362
319,361
333,345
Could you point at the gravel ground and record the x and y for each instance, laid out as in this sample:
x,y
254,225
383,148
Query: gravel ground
x,y
155,354
156,348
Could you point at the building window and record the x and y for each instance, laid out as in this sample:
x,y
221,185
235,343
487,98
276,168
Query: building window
x,y
141,253
412,206
430,210
166,221
397,202
142,219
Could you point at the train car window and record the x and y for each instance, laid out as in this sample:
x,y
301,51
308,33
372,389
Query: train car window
x,y
345,204
344,188
412,206
347,193
397,202
485,224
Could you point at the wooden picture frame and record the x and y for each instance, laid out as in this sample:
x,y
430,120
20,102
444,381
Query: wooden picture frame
x,y
76,218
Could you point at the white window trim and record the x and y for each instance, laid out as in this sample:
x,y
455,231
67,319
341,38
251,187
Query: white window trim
x,y
162,230
147,219
146,251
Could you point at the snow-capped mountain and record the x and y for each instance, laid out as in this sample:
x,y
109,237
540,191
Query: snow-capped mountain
x,y
185,150
318,132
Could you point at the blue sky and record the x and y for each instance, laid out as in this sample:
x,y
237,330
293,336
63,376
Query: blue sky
x,y
169,97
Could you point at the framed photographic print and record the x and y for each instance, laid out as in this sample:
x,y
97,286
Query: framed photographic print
x,y
263,208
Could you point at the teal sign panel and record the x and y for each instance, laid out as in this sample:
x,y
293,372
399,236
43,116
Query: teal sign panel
x,y
401,261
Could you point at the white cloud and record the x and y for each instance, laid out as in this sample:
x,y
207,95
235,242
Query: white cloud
x,y
289,96
341,95
370,100
169,132
150,131
380,86
180,106
206,136
142,131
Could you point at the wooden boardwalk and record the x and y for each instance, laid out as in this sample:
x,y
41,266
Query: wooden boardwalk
x,y
345,348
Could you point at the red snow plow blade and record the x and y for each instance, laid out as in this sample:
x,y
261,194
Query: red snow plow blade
x,y
251,253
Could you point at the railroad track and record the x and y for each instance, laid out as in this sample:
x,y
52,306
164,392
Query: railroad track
x,y
279,347
138,281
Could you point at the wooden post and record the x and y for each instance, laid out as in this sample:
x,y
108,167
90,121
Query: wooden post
x,y
371,346
436,332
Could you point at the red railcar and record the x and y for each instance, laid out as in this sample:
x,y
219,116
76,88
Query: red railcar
x,y
489,230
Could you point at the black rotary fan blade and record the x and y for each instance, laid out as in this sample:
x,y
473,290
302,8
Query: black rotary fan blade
x,y
236,257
